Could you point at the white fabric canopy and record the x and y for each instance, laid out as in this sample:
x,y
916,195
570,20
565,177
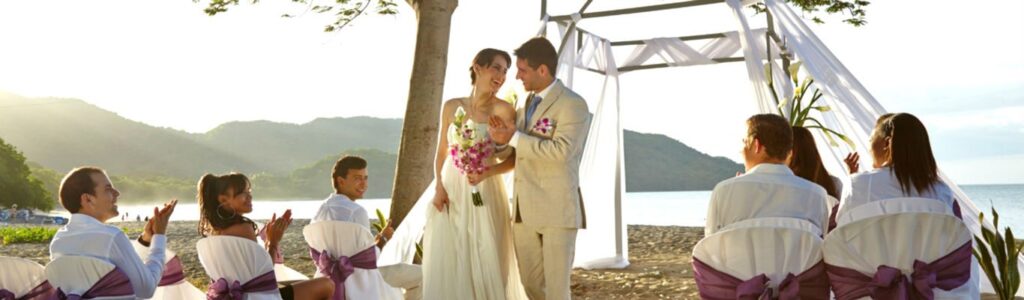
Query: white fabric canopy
x,y
604,244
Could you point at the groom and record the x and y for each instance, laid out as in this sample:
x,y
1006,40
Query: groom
x,y
547,145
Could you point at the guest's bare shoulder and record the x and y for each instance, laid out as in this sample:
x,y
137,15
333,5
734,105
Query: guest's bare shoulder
x,y
242,230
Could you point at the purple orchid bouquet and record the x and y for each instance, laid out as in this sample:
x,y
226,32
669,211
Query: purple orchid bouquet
x,y
469,150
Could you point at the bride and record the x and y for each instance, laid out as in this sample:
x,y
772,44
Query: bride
x,y
467,249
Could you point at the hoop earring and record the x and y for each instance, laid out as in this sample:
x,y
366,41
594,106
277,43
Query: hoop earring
x,y
233,213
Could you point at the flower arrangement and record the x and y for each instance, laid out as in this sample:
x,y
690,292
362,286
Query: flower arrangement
x,y
468,149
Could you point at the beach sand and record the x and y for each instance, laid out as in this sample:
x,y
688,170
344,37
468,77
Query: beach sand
x,y
659,259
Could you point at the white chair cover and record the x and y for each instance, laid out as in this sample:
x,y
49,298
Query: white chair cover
x,y
182,290
77,274
282,272
781,247
235,258
776,222
896,240
19,275
892,206
339,238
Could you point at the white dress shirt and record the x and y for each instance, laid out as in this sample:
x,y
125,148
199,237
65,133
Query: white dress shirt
x,y
880,184
542,94
767,190
338,207
86,236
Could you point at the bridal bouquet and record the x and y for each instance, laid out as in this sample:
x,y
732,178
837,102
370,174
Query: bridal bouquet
x,y
469,149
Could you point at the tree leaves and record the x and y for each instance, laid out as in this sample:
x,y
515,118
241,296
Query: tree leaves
x,y
344,11
17,185
857,16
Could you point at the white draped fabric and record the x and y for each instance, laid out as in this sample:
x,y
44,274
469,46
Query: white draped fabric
x,y
775,247
180,290
890,206
236,259
911,235
20,275
337,239
603,244
76,274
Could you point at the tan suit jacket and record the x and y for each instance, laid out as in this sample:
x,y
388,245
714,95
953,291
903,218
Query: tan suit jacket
x,y
547,180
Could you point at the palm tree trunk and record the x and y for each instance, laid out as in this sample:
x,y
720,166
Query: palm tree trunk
x,y
415,167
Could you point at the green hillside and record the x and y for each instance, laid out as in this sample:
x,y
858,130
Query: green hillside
x,y
284,160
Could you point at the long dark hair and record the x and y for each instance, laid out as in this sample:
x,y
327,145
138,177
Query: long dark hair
x,y
910,153
806,162
484,58
211,215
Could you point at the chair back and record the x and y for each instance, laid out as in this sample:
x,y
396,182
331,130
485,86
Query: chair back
x,y
79,275
900,240
21,276
338,238
775,248
892,206
236,259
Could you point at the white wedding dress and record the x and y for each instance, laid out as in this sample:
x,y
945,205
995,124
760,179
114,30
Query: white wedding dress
x,y
467,250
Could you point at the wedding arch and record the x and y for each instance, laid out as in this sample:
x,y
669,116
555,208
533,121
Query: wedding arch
x,y
853,110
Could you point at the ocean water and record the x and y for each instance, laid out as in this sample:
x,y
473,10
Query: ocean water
x,y
687,208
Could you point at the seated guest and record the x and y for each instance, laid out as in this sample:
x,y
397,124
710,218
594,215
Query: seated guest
x,y
769,188
91,198
223,202
350,181
905,166
852,160
805,162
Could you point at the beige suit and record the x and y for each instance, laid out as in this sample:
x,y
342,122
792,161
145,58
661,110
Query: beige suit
x,y
547,205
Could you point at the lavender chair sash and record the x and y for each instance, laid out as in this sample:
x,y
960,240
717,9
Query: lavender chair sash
x,y
43,290
222,290
113,284
946,273
339,269
174,272
716,285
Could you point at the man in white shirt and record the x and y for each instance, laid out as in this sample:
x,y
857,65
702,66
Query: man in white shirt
x,y
769,188
350,180
88,194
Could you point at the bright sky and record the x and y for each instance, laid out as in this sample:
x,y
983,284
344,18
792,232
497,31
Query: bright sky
x,y
167,64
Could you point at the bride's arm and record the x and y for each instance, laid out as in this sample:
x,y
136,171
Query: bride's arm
x,y
447,113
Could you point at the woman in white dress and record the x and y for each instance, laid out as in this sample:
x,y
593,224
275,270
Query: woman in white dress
x,y
467,249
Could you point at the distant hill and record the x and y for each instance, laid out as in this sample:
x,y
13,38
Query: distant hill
x,y
63,133
655,162
285,160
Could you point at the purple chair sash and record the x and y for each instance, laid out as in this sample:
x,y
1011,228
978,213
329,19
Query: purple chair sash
x,y
716,285
173,272
222,290
43,290
339,269
946,273
113,284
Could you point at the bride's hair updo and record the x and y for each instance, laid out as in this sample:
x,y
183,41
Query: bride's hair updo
x,y
484,59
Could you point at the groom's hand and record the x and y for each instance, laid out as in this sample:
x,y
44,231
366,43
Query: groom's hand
x,y
500,132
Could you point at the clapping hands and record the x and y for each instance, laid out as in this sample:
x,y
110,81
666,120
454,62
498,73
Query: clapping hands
x,y
158,223
277,226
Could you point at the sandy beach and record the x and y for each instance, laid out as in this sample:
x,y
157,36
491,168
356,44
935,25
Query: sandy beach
x,y
659,261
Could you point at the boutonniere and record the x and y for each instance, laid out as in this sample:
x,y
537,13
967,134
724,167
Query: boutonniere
x,y
544,125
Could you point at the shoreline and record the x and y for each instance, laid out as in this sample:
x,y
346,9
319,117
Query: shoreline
x,y
659,257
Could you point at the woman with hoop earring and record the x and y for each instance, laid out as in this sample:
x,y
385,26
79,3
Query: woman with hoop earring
x,y
223,202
